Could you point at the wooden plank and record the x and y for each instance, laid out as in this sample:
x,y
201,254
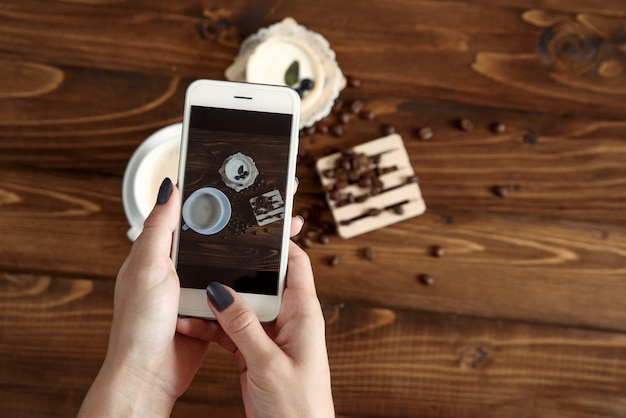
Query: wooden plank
x,y
467,37
384,362
493,266
60,222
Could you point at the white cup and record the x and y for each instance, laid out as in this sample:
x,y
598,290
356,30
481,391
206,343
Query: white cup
x,y
206,211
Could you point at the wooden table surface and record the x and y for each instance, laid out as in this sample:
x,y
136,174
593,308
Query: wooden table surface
x,y
525,317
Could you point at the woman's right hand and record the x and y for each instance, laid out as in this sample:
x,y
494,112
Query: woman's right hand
x,y
283,366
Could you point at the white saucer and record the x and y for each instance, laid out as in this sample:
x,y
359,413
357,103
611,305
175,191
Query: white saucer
x,y
154,159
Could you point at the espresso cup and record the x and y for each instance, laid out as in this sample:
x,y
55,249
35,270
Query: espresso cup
x,y
206,211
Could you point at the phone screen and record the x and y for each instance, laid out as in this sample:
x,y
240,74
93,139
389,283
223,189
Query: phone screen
x,y
234,188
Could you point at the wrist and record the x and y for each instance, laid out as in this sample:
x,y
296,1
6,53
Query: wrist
x,y
121,389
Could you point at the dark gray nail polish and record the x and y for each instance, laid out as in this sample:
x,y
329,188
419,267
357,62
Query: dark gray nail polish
x,y
297,180
165,191
219,296
301,218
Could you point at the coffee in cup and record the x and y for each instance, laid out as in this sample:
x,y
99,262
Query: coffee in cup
x,y
206,211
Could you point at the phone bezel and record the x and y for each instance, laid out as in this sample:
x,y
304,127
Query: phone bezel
x,y
250,97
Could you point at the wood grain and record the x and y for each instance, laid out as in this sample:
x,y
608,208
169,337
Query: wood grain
x,y
385,362
525,314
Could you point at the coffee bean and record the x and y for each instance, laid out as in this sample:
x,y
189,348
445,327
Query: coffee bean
x,y
336,130
425,279
369,253
501,191
437,251
306,242
362,198
365,182
344,118
322,128
466,125
530,137
367,114
338,105
374,212
412,179
329,150
341,184
334,195
425,133
329,173
309,130
388,129
324,239
333,260
498,128
398,210
201,28
356,106
387,170
353,81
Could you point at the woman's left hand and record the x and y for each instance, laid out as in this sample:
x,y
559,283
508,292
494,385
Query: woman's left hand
x,y
148,364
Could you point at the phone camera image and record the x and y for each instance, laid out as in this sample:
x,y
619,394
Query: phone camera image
x,y
233,213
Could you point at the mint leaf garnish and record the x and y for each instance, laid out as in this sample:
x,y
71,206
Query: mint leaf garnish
x,y
292,76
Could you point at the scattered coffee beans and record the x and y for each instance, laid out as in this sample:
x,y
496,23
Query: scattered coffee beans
x,y
500,191
344,118
356,106
466,125
425,279
425,133
412,179
388,129
336,130
369,254
367,114
437,251
353,81
324,239
333,260
398,210
530,137
322,128
498,128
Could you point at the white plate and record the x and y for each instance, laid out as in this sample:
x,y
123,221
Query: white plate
x,y
154,159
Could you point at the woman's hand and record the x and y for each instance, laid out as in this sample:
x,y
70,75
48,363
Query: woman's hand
x,y
283,365
148,364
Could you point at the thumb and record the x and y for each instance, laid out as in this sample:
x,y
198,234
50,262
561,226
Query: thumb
x,y
155,241
240,323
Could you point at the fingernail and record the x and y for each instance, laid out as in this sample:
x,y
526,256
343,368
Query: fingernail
x,y
219,296
301,218
297,180
164,191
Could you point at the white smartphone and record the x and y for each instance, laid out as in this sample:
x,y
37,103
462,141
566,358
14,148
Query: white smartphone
x,y
236,176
